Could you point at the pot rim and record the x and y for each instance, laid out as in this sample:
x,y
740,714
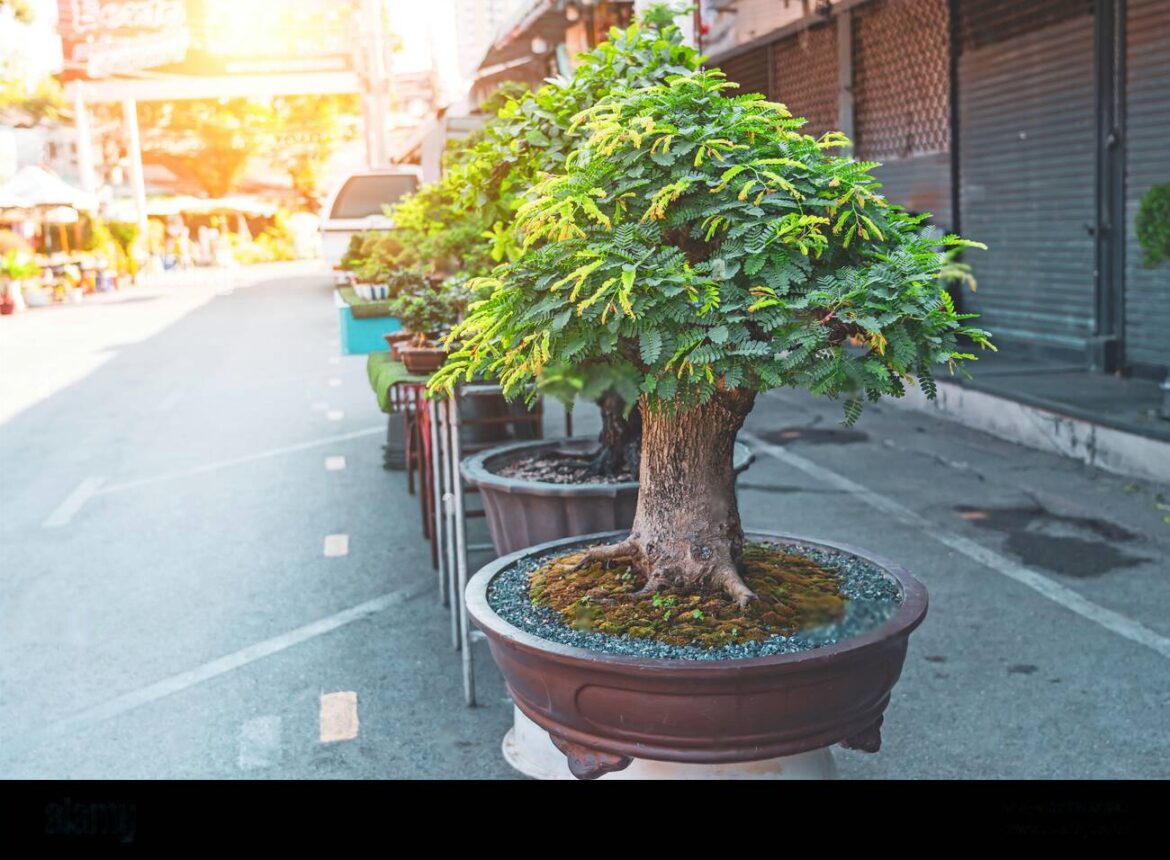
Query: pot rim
x,y
474,469
903,622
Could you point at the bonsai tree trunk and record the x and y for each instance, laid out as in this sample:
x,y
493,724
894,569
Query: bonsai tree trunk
x,y
687,529
620,438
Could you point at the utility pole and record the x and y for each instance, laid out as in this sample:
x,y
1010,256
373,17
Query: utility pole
x,y
375,81
84,139
134,150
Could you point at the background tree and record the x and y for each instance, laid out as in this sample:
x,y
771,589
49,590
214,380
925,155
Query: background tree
x,y
213,140
34,99
705,246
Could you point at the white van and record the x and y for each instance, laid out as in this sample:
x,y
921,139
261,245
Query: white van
x,y
357,204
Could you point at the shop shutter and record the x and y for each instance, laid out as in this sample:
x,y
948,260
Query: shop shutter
x,y
749,70
1027,167
805,76
1147,291
901,97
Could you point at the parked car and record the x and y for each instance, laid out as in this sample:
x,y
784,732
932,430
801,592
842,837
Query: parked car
x,y
357,204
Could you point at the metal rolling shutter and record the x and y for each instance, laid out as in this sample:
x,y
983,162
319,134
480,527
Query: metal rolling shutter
x,y
806,76
1147,291
749,70
1027,162
901,85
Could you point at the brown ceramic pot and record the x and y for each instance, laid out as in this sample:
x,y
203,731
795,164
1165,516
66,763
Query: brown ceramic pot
x,y
396,339
523,513
422,360
602,710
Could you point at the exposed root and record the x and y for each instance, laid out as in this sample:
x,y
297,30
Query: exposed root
x,y
729,580
654,583
626,550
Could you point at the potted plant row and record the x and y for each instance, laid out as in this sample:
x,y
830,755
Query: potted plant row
x,y
539,491
700,242
426,312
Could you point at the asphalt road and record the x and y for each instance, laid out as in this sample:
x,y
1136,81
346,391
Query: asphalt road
x,y
176,599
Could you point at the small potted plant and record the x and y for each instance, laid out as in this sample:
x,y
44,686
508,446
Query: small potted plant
x,y
15,268
403,280
427,311
26,279
704,243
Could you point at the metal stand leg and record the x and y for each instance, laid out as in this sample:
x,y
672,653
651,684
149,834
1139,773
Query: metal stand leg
x,y
437,497
448,512
461,564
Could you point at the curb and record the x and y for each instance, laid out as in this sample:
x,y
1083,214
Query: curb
x,y
1093,444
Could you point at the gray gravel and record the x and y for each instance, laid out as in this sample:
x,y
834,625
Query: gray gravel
x,y
872,598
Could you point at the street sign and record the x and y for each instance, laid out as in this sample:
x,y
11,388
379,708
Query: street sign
x,y
107,38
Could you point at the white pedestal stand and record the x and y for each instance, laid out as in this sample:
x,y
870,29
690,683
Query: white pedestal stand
x,y
528,748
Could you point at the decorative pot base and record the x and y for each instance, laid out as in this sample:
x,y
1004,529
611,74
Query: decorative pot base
x,y
529,749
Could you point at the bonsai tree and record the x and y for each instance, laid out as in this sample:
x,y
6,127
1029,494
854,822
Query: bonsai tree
x,y
700,243
428,310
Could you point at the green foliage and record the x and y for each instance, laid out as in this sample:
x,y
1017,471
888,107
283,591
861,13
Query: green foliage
x,y
18,266
428,309
492,176
699,241
372,246
1153,224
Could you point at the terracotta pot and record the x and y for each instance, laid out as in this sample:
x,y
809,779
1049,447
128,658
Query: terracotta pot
x,y
604,710
522,513
422,359
394,340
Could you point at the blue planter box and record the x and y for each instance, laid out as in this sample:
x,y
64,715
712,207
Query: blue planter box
x,y
363,336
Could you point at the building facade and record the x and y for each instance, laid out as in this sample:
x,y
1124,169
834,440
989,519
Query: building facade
x,y
1036,128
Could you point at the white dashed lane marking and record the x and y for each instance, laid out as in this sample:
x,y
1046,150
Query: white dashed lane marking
x,y
334,381
15,747
336,545
335,464
339,716
334,414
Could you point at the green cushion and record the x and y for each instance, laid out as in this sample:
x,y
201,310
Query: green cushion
x,y
384,374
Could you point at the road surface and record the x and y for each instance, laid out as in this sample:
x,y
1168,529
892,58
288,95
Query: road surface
x,y
206,573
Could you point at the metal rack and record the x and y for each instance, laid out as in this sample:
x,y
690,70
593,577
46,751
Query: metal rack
x,y
441,425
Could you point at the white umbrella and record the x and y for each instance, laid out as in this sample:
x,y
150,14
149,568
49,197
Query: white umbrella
x,y
38,187
12,201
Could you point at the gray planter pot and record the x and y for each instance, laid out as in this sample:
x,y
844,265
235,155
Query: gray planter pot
x,y
525,513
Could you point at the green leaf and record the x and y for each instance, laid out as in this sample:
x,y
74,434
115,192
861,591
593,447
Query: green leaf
x,y
650,346
561,319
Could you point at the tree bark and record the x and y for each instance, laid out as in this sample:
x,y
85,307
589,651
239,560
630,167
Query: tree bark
x,y
687,530
620,438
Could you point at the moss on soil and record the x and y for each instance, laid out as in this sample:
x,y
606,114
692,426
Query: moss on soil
x,y
794,592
